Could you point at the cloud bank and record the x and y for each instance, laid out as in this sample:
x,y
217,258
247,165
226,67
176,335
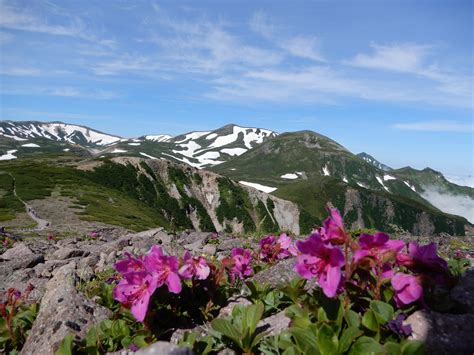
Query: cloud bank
x,y
461,205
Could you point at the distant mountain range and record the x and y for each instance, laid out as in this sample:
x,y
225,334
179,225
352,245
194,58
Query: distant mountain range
x,y
304,167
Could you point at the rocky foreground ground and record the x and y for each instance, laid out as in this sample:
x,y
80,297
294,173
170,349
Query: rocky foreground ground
x,y
57,269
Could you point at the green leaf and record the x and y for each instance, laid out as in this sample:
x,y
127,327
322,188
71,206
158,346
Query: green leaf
x,y
369,321
140,341
366,346
383,311
305,340
251,316
352,318
65,348
92,337
227,329
413,347
347,337
392,348
327,340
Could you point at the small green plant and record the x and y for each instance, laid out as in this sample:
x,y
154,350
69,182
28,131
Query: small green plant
x,y
271,298
239,331
458,264
17,317
109,336
203,345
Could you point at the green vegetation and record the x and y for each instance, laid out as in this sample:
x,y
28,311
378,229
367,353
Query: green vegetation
x,y
234,204
266,224
312,195
9,204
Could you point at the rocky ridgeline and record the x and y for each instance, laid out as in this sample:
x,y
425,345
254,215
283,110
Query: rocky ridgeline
x,y
57,269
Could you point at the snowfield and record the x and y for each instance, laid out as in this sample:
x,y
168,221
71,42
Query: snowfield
x,y
9,155
289,176
234,151
259,187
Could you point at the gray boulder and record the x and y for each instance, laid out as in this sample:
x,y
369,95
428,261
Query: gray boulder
x,y
63,311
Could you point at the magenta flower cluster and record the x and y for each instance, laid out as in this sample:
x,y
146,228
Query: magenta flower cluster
x,y
329,255
272,249
142,275
332,257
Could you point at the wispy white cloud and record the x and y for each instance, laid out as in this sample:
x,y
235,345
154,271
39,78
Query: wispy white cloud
x,y
303,47
21,19
260,24
307,47
406,57
16,71
436,126
412,58
64,91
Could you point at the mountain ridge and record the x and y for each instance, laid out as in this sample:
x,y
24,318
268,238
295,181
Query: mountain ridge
x,y
263,159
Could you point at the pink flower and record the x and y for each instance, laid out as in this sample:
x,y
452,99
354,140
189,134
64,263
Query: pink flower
x,y
426,257
333,230
241,263
407,289
93,235
194,267
163,268
271,248
132,264
135,289
322,261
376,246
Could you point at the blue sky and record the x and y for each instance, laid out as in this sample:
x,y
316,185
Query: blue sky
x,y
392,78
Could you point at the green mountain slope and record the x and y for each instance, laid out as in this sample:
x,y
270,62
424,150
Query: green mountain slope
x,y
299,162
140,194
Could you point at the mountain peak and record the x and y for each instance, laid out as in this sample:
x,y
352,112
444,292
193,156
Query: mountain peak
x,y
56,131
371,160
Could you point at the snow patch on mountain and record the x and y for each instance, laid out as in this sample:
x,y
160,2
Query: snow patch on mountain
x,y
190,148
116,150
389,177
56,131
410,186
159,138
9,155
192,135
134,144
326,171
380,180
289,176
234,151
259,187
250,135
30,145
148,156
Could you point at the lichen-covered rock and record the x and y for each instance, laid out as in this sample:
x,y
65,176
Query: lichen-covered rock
x,y
443,333
63,311
277,274
448,333
274,324
463,293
